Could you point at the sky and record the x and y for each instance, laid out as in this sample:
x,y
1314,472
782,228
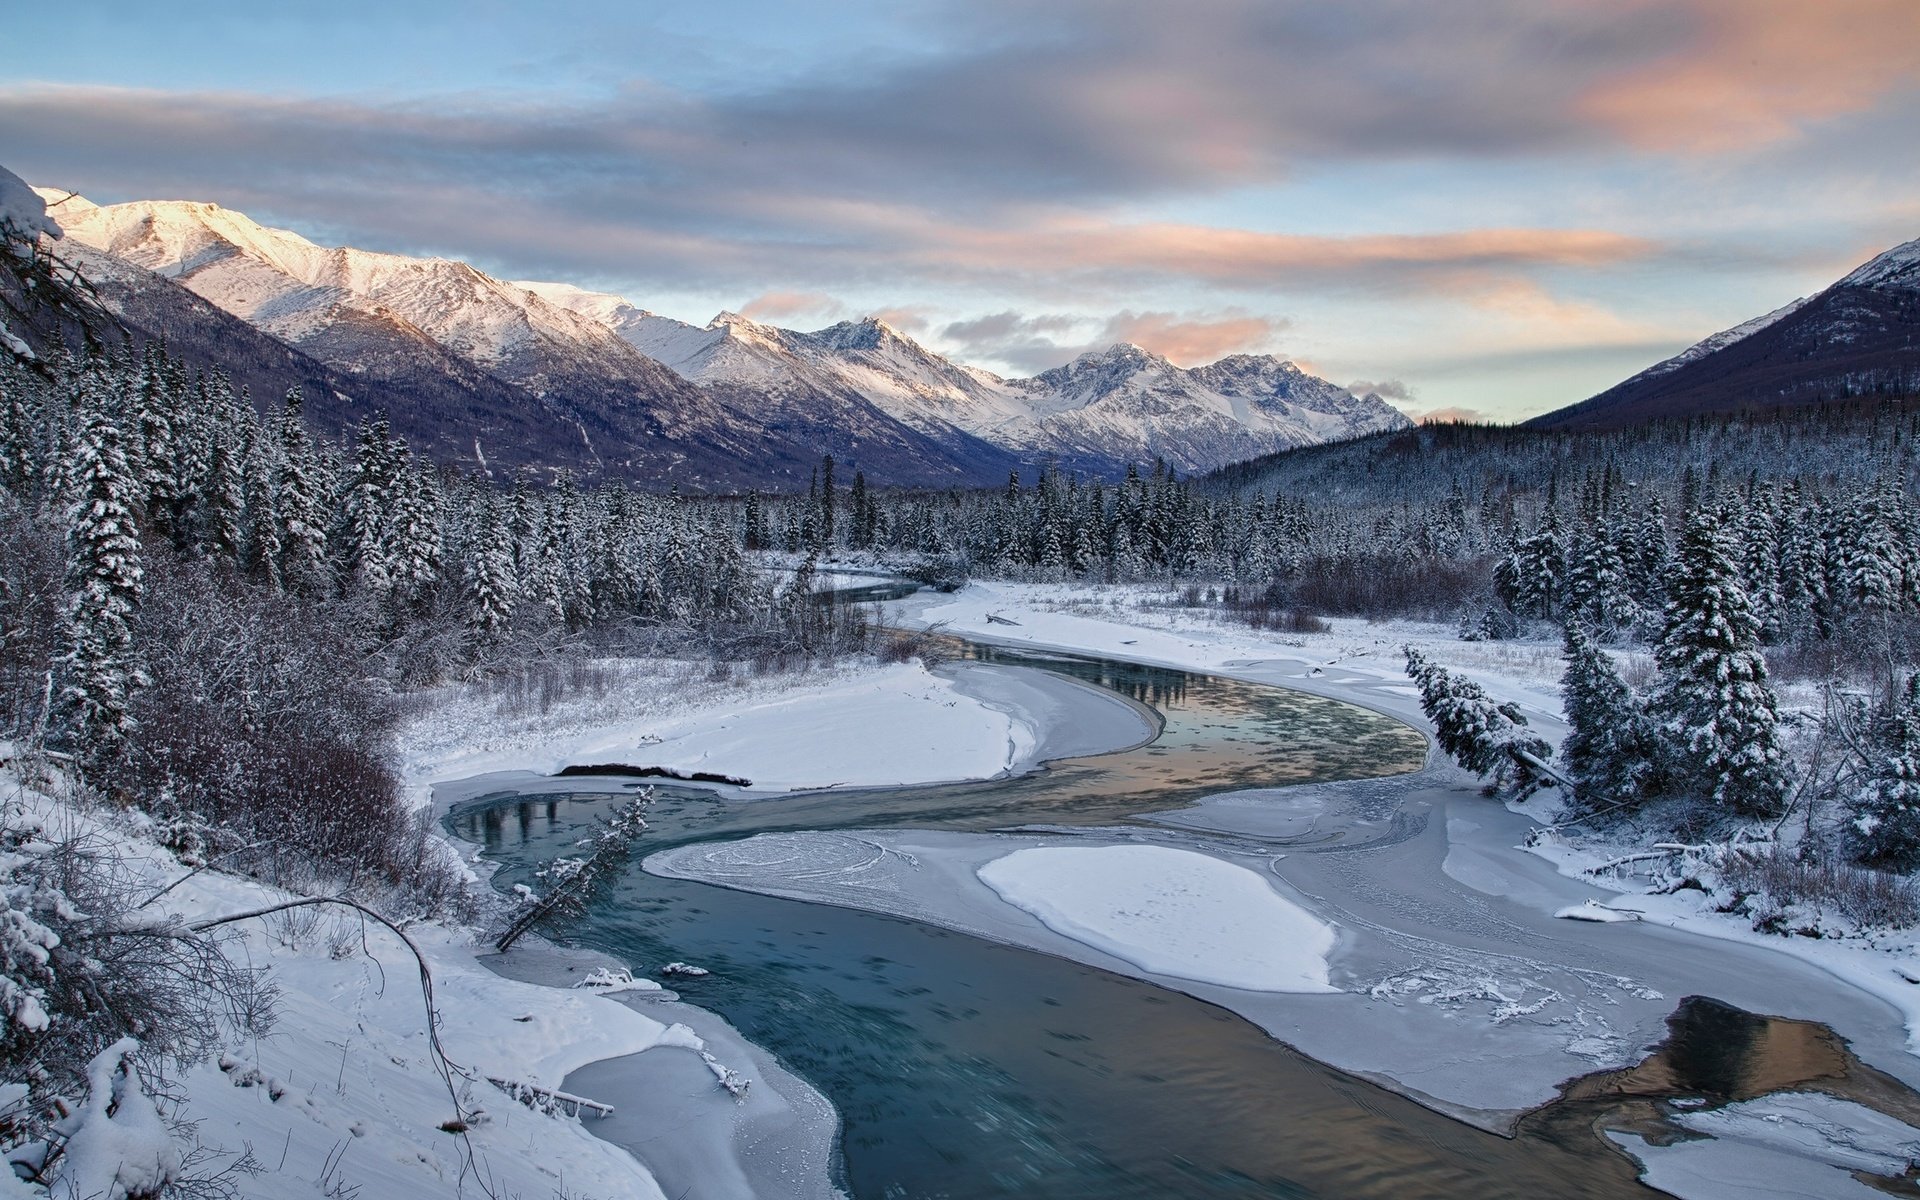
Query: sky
x,y
1484,208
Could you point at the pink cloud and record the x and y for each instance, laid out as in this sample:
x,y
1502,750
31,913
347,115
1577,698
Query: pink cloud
x,y
785,306
1192,341
1758,71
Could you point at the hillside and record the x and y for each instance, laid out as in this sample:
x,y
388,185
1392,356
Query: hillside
x,y
1859,337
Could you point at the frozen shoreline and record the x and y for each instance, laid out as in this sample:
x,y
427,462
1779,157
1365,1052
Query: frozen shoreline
x,y
991,721
699,1142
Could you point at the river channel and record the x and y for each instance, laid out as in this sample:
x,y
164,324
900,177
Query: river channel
x,y
966,1068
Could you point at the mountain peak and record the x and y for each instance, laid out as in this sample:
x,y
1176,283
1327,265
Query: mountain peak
x,y
868,333
1855,338
728,319
1121,354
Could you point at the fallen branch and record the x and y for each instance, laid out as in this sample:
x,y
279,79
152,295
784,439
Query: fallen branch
x,y
543,1099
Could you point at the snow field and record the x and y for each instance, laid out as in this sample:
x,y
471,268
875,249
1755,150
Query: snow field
x,y
1170,912
908,725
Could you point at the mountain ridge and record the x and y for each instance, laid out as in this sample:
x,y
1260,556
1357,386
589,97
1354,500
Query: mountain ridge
x,y
645,392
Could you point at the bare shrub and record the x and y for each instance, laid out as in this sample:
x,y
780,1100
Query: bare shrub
x,y
118,969
1856,648
1867,897
1270,609
264,736
1386,585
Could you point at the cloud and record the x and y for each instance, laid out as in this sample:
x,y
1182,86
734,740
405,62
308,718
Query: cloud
x,y
1030,343
531,191
1751,72
1388,389
1438,416
906,318
785,306
1194,341
1010,123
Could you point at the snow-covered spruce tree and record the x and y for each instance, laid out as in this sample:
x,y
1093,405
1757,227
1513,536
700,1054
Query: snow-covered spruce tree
x,y
370,506
1610,750
1486,737
492,589
98,668
1886,808
1531,579
299,505
1597,583
1713,707
150,449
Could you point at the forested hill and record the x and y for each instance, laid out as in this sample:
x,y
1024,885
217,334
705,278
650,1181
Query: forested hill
x,y
1859,337
1825,442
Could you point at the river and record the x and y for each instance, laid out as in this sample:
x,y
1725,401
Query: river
x,y
967,1068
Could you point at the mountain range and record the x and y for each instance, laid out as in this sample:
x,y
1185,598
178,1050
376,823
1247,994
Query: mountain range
x,y
1859,337
511,374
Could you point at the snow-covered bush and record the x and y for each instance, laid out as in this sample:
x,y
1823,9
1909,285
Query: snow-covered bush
x,y
1775,881
89,960
113,1146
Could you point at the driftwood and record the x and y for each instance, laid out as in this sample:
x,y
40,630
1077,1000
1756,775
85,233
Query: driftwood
x,y
997,619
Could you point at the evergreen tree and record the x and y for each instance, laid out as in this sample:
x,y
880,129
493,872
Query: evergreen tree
x,y
1714,707
824,528
492,589
298,505
1886,808
756,535
1488,738
370,508
151,456
1610,750
98,666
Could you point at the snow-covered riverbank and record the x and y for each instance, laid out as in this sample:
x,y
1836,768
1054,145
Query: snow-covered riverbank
x,y
853,726
1448,930
343,1094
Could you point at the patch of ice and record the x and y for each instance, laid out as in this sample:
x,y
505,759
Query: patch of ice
x,y
1791,1144
1170,912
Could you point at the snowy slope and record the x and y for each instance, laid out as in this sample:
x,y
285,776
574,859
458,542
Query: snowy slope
x,y
1716,341
294,289
504,373
868,358
1897,268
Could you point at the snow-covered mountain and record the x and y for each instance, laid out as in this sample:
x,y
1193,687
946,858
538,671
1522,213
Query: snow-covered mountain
x,y
1859,337
615,387
489,372
1119,405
